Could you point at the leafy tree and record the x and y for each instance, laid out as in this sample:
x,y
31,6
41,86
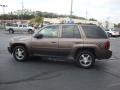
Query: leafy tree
x,y
92,19
118,25
36,21
28,14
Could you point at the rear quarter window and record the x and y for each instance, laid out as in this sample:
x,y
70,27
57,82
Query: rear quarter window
x,y
94,32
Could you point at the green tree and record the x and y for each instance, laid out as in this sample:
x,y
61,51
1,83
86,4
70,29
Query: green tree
x,y
92,19
118,25
36,21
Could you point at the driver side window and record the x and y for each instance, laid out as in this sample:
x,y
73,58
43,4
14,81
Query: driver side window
x,y
50,31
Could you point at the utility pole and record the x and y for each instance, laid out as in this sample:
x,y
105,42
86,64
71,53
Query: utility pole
x,y
3,6
22,10
71,10
86,15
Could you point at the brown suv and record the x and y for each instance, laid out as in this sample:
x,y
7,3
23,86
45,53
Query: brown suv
x,y
81,43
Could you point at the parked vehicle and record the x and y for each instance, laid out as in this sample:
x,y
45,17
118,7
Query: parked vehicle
x,y
81,43
19,28
112,32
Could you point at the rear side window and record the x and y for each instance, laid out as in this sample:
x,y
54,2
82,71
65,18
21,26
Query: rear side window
x,y
70,31
24,26
107,30
20,25
93,32
15,25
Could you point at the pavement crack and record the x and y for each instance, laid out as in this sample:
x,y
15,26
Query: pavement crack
x,y
41,76
29,80
117,76
108,72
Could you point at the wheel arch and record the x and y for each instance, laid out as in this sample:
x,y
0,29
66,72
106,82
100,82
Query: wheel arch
x,y
11,29
18,44
90,49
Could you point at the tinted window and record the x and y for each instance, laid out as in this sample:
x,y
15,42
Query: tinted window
x,y
70,31
50,31
107,30
94,32
24,26
15,25
20,25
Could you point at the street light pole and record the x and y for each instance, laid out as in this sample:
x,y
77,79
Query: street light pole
x,y
3,6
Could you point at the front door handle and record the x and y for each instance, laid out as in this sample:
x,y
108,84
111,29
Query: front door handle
x,y
77,42
53,42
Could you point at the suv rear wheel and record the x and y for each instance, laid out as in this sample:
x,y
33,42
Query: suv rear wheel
x,y
11,31
30,31
85,59
109,35
20,53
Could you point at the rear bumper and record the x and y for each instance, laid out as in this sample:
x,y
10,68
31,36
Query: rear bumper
x,y
104,54
10,50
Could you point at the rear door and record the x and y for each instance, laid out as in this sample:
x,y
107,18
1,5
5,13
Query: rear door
x,y
15,27
70,38
20,27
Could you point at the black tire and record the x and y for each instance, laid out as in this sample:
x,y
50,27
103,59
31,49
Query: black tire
x,y
11,31
30,31
109,35
82,59
20,53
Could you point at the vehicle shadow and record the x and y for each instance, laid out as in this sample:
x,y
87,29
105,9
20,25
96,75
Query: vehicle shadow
x,y
64,62
48,60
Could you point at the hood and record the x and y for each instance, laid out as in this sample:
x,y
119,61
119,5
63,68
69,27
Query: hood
x,y
20,39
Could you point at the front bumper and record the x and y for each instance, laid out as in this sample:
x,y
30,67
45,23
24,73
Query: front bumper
x,y
10,50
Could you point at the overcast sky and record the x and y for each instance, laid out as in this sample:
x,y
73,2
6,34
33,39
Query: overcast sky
x,y
98,9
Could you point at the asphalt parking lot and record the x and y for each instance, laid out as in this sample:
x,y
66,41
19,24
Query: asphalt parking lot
x,y
37,74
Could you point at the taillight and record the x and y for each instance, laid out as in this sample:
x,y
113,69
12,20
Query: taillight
x,y
107,45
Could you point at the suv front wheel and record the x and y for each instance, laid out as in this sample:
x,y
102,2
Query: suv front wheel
x,y
20,53
85,59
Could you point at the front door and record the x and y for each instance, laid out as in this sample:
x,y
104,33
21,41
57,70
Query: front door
x,y
48,44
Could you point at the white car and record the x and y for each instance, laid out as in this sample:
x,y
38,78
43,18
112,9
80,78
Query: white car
x,y
19,28
112,32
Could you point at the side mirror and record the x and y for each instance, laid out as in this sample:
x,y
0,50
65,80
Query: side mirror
x,y
38,36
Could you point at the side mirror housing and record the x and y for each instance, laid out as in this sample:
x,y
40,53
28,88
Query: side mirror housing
x,y
38,36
